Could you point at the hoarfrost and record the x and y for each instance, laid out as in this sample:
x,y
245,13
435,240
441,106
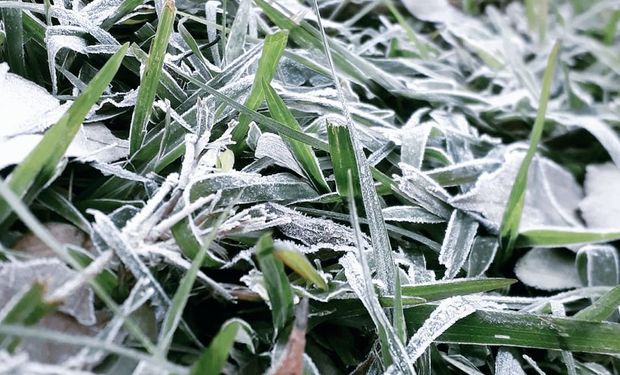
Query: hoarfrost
x,y
457,242
548,269
601,206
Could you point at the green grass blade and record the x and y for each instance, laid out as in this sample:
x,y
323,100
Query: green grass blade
x,y
40,165
499,328
302,152
301,265
150,78
457,287
602,308
276,283
14,42
267,64
190,245
342,156
213,359
512,215
557,237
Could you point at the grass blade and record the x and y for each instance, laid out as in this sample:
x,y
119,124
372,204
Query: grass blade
x,y
302,152
40,165
512,215
342,156
526,330
276,283
300,264
267,64
457,287
14,30
602,308
213,359
150,78
557,237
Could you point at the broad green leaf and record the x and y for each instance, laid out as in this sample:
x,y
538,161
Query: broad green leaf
x,y
267,64
502,328
40,165
509,228
300,264
276,283
456,287
213,359
602,308
149,81
302,152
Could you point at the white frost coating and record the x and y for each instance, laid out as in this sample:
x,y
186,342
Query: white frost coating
x,y
238,31
448,312
51,271
211,17
551,197
602,264
601,206
507,364
410,214
557,309
117,242
57,38
425,191
457,242
548,269
359,278
272,146
534,365
481,255
24,105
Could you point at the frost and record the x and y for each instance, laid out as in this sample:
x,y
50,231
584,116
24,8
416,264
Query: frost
x,y
548,269
424,191
238,31
272,146
314,232
601,206
602,265
551,197
250,187
54,274
448,312
457,242
507,364
481,256
29,110
410,214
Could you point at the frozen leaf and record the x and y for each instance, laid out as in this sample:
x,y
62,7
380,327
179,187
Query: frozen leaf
x,y
54,274
548,269
551,198
507,364
410,214
457,242
481,256
601,207
271,145
424,191
414,144
598,265
250,187
448,312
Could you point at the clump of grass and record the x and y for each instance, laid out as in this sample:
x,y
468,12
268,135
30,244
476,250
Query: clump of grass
x,y
332,188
